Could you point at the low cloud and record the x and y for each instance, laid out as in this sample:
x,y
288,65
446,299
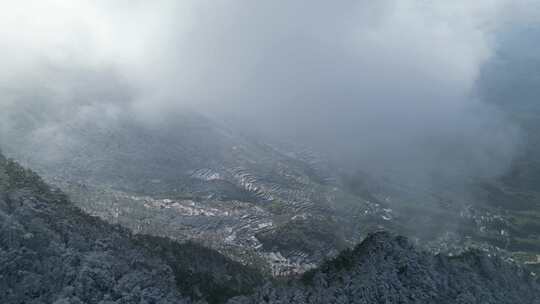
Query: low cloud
x,y
385,85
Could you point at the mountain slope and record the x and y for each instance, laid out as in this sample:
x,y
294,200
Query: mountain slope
x,y
51,252
388,269
194,179
274,207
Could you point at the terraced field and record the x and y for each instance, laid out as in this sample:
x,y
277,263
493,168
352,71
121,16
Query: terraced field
x,y
280,208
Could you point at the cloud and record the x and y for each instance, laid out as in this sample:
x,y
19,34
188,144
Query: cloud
x,y
385,84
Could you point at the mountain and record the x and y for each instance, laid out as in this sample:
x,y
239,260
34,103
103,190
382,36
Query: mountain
x,y
271,206
52,252
512,83
193,178
388,269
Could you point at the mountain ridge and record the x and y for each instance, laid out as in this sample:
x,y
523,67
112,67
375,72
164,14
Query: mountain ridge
x,y
51,251
385,268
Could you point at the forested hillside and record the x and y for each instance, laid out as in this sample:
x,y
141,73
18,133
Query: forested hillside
x,y
51,252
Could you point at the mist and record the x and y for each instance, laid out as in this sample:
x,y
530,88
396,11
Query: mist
x,y
377,86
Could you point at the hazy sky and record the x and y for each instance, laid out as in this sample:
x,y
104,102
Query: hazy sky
x,y
382,83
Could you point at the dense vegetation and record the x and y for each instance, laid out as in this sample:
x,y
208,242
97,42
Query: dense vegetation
x,y
388,269
50,252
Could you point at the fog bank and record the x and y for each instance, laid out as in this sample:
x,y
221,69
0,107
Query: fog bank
x,y
385,85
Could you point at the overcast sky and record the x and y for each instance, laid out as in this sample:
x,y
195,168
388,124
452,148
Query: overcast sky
x,y
378,83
